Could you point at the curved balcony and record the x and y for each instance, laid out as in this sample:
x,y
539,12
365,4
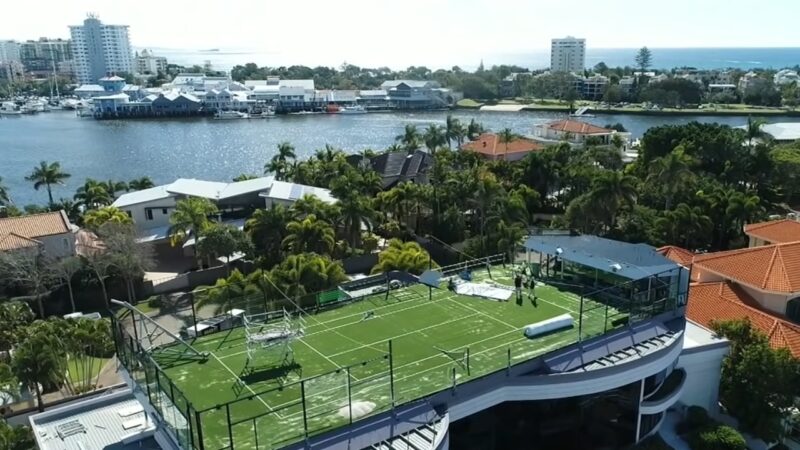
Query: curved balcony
x,y
666,395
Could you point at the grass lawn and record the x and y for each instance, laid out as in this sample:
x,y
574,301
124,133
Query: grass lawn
x,y
468,103
342,356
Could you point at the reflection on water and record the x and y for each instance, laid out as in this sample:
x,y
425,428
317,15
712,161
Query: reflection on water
x,y
220,150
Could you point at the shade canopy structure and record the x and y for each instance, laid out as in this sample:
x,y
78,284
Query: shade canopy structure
x,y
631,261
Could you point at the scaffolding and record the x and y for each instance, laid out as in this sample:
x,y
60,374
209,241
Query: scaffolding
x,y
271,335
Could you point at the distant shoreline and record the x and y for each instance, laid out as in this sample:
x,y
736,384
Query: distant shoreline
x,y
642,112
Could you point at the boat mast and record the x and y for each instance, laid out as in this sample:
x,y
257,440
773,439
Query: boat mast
x,y
55,80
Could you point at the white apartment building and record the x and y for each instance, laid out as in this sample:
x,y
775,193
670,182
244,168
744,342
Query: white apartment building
x,y
9,52
99,50
568,55
148,63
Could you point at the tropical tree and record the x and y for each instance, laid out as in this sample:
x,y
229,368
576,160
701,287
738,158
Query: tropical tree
x,y
85,341
434,137
29,269
267,229
190,218
18,437
139,184
612,190
47,175
474,129
223,292
403,256
65,270
14,316
311,204
71,208
685,225
453,131
128,256
280,163
507,236
93,194
222,241
94,219
410,138
112,187
671,172
5,198
487,189
40,361
101,264
309,235
506,136
356,211
244,177
754,130
306,273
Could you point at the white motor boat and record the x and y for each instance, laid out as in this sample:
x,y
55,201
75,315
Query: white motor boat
x,y
230,115
355,109
10,109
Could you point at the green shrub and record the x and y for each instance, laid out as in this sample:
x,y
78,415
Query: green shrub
x,y
155,302
717,437
696,417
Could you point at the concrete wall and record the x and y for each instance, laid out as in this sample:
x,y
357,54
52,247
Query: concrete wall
x,y
139,215
773,302
58,245
703,371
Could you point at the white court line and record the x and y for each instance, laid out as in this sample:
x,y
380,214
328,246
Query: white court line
x,y
246,385
403,335
329,360
487,315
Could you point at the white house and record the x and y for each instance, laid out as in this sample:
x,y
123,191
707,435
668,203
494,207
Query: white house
x,y
786,76
51,233
576,132
284,193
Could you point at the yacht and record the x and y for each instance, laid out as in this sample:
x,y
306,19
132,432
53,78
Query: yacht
x,y
230,115
355,109
262,115
10,109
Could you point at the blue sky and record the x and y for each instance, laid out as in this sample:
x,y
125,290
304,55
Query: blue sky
x,y
431,32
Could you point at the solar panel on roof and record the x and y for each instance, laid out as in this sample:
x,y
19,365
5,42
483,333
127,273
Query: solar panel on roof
x,y
70,428
296,192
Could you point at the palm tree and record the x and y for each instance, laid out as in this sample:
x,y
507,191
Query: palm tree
x,y
474,129
508,236
47,175
433,138
139,184
356,211
244,177
506,136
410,138
39,360
112,187
394,148
96,218
743,208
93,194
671,171
280,164
611,190
487,189
190,218
267,229
404,256
71,208
453,131
223,292
309,235
685,225
5,199
754,130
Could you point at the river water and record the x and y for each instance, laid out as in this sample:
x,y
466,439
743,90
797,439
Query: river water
x,y
219,150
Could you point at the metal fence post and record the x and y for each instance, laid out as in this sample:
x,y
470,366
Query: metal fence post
x,y
467,361
508,365
305,414
230,427
189,419
580,320
199,430
194,311
255,431
391,372
349,397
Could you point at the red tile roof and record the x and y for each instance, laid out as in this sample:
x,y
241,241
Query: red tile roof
x,y
17,232
771,267
775,231
724,300
489,144
677,254
577,127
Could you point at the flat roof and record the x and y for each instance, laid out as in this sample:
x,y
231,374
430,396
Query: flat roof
x,y
632,261
110,422
283,190
143,196
696,335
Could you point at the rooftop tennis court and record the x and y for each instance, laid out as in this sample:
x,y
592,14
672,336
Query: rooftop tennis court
x,y
348,369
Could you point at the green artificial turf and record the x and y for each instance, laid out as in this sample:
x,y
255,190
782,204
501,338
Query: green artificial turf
x,y
345,361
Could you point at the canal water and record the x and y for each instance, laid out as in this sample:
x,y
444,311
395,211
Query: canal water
x,y
210,149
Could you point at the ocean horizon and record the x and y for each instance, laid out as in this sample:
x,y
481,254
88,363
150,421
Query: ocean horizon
x,y
663,58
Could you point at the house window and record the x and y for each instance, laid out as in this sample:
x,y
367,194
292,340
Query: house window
x,y
164,211
148,213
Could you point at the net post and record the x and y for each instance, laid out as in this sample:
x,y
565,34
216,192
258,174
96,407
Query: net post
x,y
453,375
199,430
230,427
467,361
580,320
305,414
255,431
194,311
391,373
189,419
349,398
508,362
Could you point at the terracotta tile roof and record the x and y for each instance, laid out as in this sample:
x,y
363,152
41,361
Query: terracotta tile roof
x,y
489,144
775,231
773,267
724,300
577,127
677,254
13,241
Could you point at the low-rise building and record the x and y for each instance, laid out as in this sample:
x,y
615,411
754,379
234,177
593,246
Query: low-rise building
x,y
786,76
490,147
51,233
721,88
577,133
773,232
148,63
415,94
396,167
374,99
227,100
594,87
781,132
748,80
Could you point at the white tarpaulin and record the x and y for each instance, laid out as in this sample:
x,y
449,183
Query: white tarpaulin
x,y
484,290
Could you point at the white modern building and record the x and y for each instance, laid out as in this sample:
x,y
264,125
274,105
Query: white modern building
x,y
148,63
9,51
568,54
786,76
99,50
